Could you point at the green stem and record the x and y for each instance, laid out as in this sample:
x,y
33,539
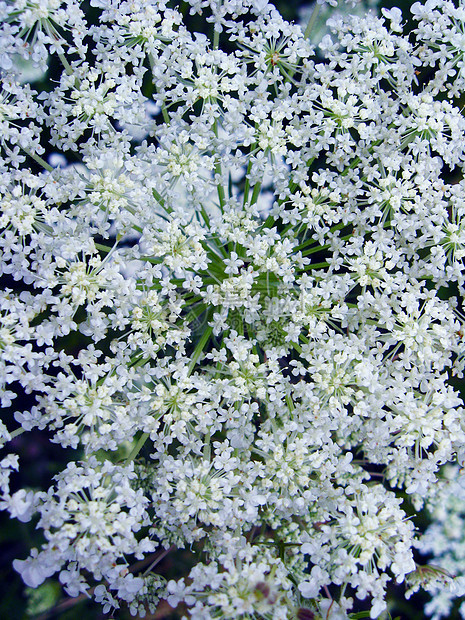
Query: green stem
x,y
289,402
269,221
256,193
39,160
319,248
310,24
219,173
199,348
316,266
17,432
103,248
66,64
249,170
137,448
165,114
312,21
158,198
207,448
195,313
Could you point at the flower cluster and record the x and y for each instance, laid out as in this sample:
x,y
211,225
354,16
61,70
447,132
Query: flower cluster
x,y
235,293
91,519
443,541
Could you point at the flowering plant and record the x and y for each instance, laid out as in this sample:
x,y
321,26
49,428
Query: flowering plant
x,y
259,245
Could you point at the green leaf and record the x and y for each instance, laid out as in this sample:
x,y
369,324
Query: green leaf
x,y
42,598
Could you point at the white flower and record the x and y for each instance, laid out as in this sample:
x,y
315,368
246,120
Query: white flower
x,y
311,588
238,294
38,567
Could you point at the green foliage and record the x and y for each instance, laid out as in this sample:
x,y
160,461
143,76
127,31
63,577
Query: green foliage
x,y
42,598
